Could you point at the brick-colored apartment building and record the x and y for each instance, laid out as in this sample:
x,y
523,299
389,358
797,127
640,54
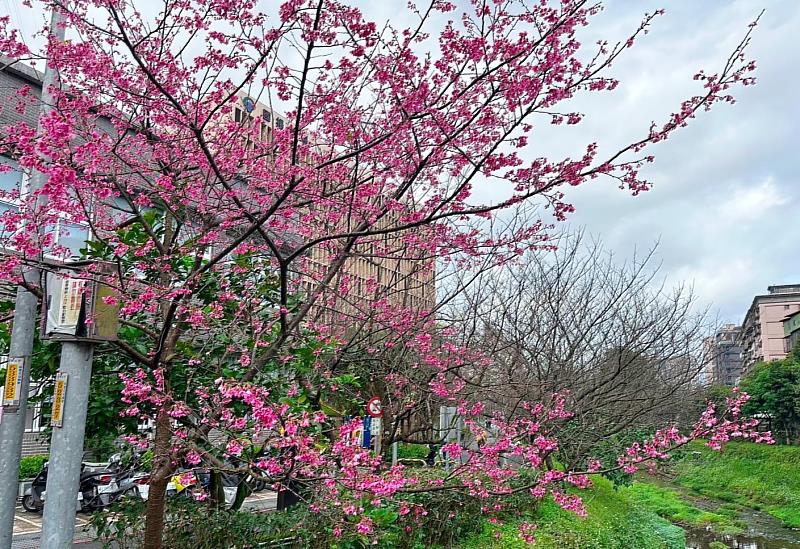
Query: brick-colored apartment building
x,y
762,338
401,280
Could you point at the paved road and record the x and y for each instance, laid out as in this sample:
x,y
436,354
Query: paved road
x,y
28,526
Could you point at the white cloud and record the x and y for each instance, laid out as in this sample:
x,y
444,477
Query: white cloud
x,y
752,203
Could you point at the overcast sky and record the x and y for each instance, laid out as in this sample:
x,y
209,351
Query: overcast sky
x,y
726,188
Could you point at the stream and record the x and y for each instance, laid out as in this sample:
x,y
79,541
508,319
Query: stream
x,y
763,531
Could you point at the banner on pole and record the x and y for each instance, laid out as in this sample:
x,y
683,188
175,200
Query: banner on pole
x,y
13,388
59,393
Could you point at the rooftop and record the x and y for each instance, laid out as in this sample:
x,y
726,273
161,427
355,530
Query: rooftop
x,y
18,68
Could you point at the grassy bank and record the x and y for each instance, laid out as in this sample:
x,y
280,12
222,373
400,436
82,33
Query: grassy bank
x,y
615,520
761,477
765,478
668,504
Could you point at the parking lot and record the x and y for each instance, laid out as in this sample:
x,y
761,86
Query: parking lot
x,y
28,526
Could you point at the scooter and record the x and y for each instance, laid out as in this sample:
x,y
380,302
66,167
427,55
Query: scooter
x,y
128,483
95,483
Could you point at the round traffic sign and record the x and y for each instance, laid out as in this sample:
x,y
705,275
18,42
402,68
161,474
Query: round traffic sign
x,y
374,408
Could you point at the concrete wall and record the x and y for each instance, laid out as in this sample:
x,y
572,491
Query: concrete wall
x,y
12,80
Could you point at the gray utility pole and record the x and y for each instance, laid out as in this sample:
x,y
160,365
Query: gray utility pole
x,y
66,448
12,426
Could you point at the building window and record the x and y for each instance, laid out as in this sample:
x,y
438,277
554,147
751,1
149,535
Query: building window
x,y
10,180
120,209
279,123
72,236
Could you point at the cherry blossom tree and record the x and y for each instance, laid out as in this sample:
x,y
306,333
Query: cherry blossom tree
x,y
230,245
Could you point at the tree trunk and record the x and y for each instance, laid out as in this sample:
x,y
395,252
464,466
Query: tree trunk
x,y
216,489
156,499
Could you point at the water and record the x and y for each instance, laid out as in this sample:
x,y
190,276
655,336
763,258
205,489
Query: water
x,y
763,532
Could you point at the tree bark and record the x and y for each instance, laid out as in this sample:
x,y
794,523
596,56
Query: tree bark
x,y
216,490
156,500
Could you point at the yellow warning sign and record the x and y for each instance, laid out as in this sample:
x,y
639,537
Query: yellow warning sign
x,y
11,391
59,392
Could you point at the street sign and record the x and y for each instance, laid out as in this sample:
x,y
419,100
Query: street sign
x,y
59,393
366,433
376,434
374,407
13,388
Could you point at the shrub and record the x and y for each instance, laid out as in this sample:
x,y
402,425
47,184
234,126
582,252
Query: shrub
x,y
447,518
412,451
30,466
192,525
614,522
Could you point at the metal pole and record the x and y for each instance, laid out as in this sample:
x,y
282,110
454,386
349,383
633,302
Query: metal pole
x,y
12,426
458,438
394,454
66,448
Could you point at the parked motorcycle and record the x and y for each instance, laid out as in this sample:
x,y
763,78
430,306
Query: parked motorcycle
x,y
100,486
95,482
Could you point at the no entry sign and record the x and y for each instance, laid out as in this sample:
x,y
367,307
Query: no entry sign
x,y
374,408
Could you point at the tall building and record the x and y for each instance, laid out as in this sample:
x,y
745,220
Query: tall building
x,y
763,338
15,76
403,280
723,357
371,272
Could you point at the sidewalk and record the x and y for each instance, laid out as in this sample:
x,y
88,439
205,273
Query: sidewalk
x,y
28,526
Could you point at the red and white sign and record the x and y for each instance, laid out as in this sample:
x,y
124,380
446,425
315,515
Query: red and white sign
x,y
374,408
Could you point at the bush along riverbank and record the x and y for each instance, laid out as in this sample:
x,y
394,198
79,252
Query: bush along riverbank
x,y
614,521
756,476
721,498
746,496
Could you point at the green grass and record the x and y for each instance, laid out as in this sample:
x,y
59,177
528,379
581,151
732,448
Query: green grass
x,y
614,521
668,504
761,477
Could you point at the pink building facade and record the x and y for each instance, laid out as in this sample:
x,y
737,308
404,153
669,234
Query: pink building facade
x,y
763,337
